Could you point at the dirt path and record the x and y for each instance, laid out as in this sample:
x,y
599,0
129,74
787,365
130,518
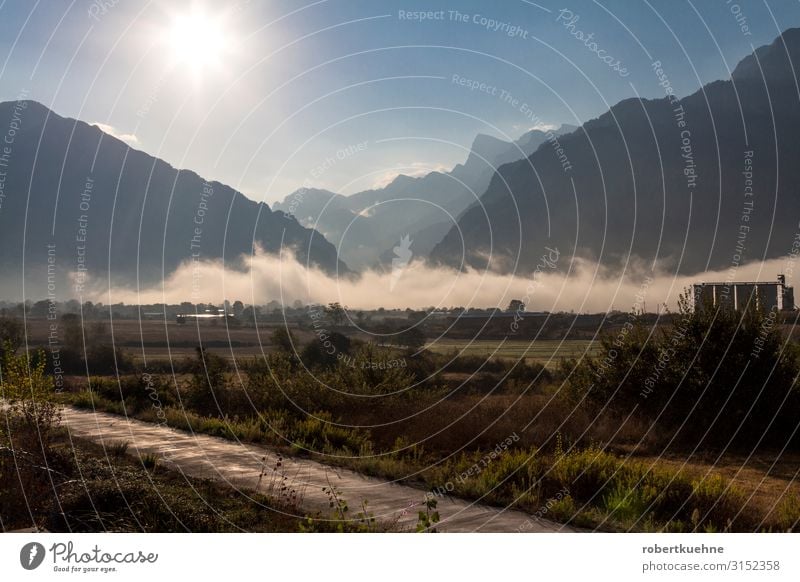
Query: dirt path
x,y
240,465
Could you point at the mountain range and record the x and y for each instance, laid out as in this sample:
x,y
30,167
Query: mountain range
x,y
366,226
708,181
85,203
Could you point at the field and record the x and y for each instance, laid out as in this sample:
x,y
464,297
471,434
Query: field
x,y
160,340
626,461
546,352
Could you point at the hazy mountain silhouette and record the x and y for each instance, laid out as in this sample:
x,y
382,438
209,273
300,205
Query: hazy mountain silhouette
x,y
367,225
138,218
632,170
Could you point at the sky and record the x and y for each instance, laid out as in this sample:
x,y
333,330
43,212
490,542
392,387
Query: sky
x,y
345,94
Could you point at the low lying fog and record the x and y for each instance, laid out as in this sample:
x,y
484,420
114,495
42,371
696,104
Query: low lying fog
x,y
586,288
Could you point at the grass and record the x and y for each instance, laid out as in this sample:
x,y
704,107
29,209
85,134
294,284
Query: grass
x,y
101,491
118,449
767,481
149,461
788,514
545,352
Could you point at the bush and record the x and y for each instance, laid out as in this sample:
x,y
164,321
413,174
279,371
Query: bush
x,y
11,334
325,351
284,341
412,338
29,391
714,377
208,384
30,424
108,361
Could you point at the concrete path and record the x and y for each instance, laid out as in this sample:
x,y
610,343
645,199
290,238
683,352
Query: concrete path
x,y
240,465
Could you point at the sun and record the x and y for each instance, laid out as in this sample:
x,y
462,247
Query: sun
x,y
198,41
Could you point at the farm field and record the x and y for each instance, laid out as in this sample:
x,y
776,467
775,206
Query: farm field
x,y
160,340
546,352
167,340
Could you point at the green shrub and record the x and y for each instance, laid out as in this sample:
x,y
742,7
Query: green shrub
x,y
629,504
318,434
562,509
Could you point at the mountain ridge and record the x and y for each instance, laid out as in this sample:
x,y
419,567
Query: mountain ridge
x,y
655,185
367,225
141,215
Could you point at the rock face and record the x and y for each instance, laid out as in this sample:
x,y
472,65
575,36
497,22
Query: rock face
x,y
707,181
120,213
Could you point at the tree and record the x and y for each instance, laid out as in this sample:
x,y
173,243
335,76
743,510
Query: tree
x,y
40,308
283,340
412,338
325,352
73,332
99,333
88,310
336,313
10,333
251,313
238,308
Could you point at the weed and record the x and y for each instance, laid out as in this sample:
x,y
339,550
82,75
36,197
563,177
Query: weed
x,y
788,514
365,520
427,520
149,461
118,449
336,502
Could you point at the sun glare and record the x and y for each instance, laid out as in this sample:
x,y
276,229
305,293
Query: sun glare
x,y
197,40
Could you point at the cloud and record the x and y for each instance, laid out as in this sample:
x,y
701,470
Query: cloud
x,y
128,138
588,288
